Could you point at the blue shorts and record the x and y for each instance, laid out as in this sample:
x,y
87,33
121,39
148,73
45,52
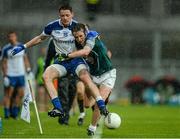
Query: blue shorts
x,y
17,81
72,66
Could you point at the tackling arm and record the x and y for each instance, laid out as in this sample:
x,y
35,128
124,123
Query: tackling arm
x,y
80,53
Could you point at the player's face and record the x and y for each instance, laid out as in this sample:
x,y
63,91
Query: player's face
x,y
66,17
12,38
80,37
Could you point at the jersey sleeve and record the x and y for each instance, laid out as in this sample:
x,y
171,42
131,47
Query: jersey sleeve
x,y
47,29
91,36
4,54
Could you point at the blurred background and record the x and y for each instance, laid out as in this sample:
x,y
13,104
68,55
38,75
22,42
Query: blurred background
x,y
143,36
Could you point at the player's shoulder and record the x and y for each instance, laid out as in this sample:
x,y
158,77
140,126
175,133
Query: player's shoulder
x,y
58,23
7,47
5,50
53,23
92,34
74,22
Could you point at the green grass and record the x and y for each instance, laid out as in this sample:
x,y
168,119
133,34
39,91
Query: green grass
x,y
137,121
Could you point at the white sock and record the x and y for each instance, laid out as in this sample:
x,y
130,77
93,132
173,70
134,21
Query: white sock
x,y
82,115
92,128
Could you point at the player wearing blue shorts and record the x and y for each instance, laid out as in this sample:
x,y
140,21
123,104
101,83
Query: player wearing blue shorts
x,y
60,31
13,73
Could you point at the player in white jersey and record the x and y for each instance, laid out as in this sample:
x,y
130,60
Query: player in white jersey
x,y
13,72
60,31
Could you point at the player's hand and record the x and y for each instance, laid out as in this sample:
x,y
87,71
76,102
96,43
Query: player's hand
x,y
28,70
64,55
6,81
29,73
17,49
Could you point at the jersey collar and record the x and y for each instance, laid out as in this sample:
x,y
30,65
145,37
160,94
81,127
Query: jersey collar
x,y
60,23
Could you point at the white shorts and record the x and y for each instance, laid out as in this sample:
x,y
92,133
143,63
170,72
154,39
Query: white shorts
x,y
108,79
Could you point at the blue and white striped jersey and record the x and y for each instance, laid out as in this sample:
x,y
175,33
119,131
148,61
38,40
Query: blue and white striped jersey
x,y
62,36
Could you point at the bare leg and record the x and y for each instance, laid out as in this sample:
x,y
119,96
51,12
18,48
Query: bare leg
x,y
89,101
7,100
17,102
104,91
85,77
7,96
19,96
49,75
80,99
80,90
42,98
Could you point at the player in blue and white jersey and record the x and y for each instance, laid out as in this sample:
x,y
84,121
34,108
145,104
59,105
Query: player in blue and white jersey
x,y
60,31
13,73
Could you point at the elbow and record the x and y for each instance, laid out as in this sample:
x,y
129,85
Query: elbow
x,y
40,39
86,53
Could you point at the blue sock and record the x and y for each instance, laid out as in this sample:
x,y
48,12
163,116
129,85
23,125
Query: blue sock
x,y
100,102
6,112
18,109
56,103
15,111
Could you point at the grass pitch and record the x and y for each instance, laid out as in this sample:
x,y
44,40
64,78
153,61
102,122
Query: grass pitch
x,y
137,121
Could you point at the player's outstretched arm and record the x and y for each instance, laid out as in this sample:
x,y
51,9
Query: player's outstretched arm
x,y
80,53
38,39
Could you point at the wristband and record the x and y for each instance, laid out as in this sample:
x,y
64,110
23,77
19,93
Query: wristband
x,y
28,69
25,46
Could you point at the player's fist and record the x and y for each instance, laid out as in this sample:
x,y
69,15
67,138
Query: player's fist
x,y
17,49
64,56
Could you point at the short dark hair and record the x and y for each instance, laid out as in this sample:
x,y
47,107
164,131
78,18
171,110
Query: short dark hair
x,y
65,7
78,27
11,32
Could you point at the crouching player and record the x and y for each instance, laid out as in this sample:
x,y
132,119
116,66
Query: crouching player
x,y
103,74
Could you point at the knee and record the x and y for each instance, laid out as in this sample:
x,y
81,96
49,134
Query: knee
x,y
96,107
79,93
21,95
87,106
84,76
8,95
46,77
